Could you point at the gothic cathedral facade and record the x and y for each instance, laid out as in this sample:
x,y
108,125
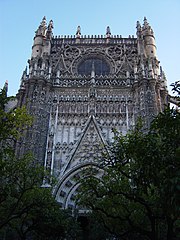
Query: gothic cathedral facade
x,y
78,88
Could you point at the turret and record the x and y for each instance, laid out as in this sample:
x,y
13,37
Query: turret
x,y
42,39
149,39
38,39
146,40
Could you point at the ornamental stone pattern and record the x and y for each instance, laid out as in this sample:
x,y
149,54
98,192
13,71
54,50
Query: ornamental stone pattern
x,y
78,88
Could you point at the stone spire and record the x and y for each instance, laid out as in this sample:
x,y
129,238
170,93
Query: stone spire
x,y
146,27
146,24
42,28
139,30
5,88
163,78
140,40
49,29
24,75
50,25
23,78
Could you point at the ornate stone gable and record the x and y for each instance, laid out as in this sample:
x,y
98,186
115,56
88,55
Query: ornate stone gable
x,y
89,147
86,152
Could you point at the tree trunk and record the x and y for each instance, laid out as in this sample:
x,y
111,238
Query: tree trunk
x,y
170,225
154,232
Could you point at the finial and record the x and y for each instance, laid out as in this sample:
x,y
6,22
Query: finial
x,y
147,28
139,30
42,27
43,23
162,73
78,32
138,25
49,30
146,24
163,77
24,73
5,88
161,70
108,31
50,25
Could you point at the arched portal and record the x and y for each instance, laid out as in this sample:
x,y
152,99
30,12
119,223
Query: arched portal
x,y
67,188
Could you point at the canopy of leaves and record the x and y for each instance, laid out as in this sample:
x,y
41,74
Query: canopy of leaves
x,y
13,122
27,210
138,195
176,89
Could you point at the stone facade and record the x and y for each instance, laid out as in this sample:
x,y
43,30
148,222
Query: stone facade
x,y
80,87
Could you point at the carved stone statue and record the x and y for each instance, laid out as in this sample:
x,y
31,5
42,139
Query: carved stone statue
x,y
108,31
78,32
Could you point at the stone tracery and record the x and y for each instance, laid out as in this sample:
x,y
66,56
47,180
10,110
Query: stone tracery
x,y
74,109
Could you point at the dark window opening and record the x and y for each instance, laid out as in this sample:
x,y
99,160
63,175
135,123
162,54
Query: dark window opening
x,y
100,67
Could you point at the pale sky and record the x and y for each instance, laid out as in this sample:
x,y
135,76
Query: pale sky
x,y
19,20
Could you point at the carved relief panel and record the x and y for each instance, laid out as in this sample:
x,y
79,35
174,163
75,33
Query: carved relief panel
x,y
111,108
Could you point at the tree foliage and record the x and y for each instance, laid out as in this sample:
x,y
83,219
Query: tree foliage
x,y
13,122
138,195
27,210
176,89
